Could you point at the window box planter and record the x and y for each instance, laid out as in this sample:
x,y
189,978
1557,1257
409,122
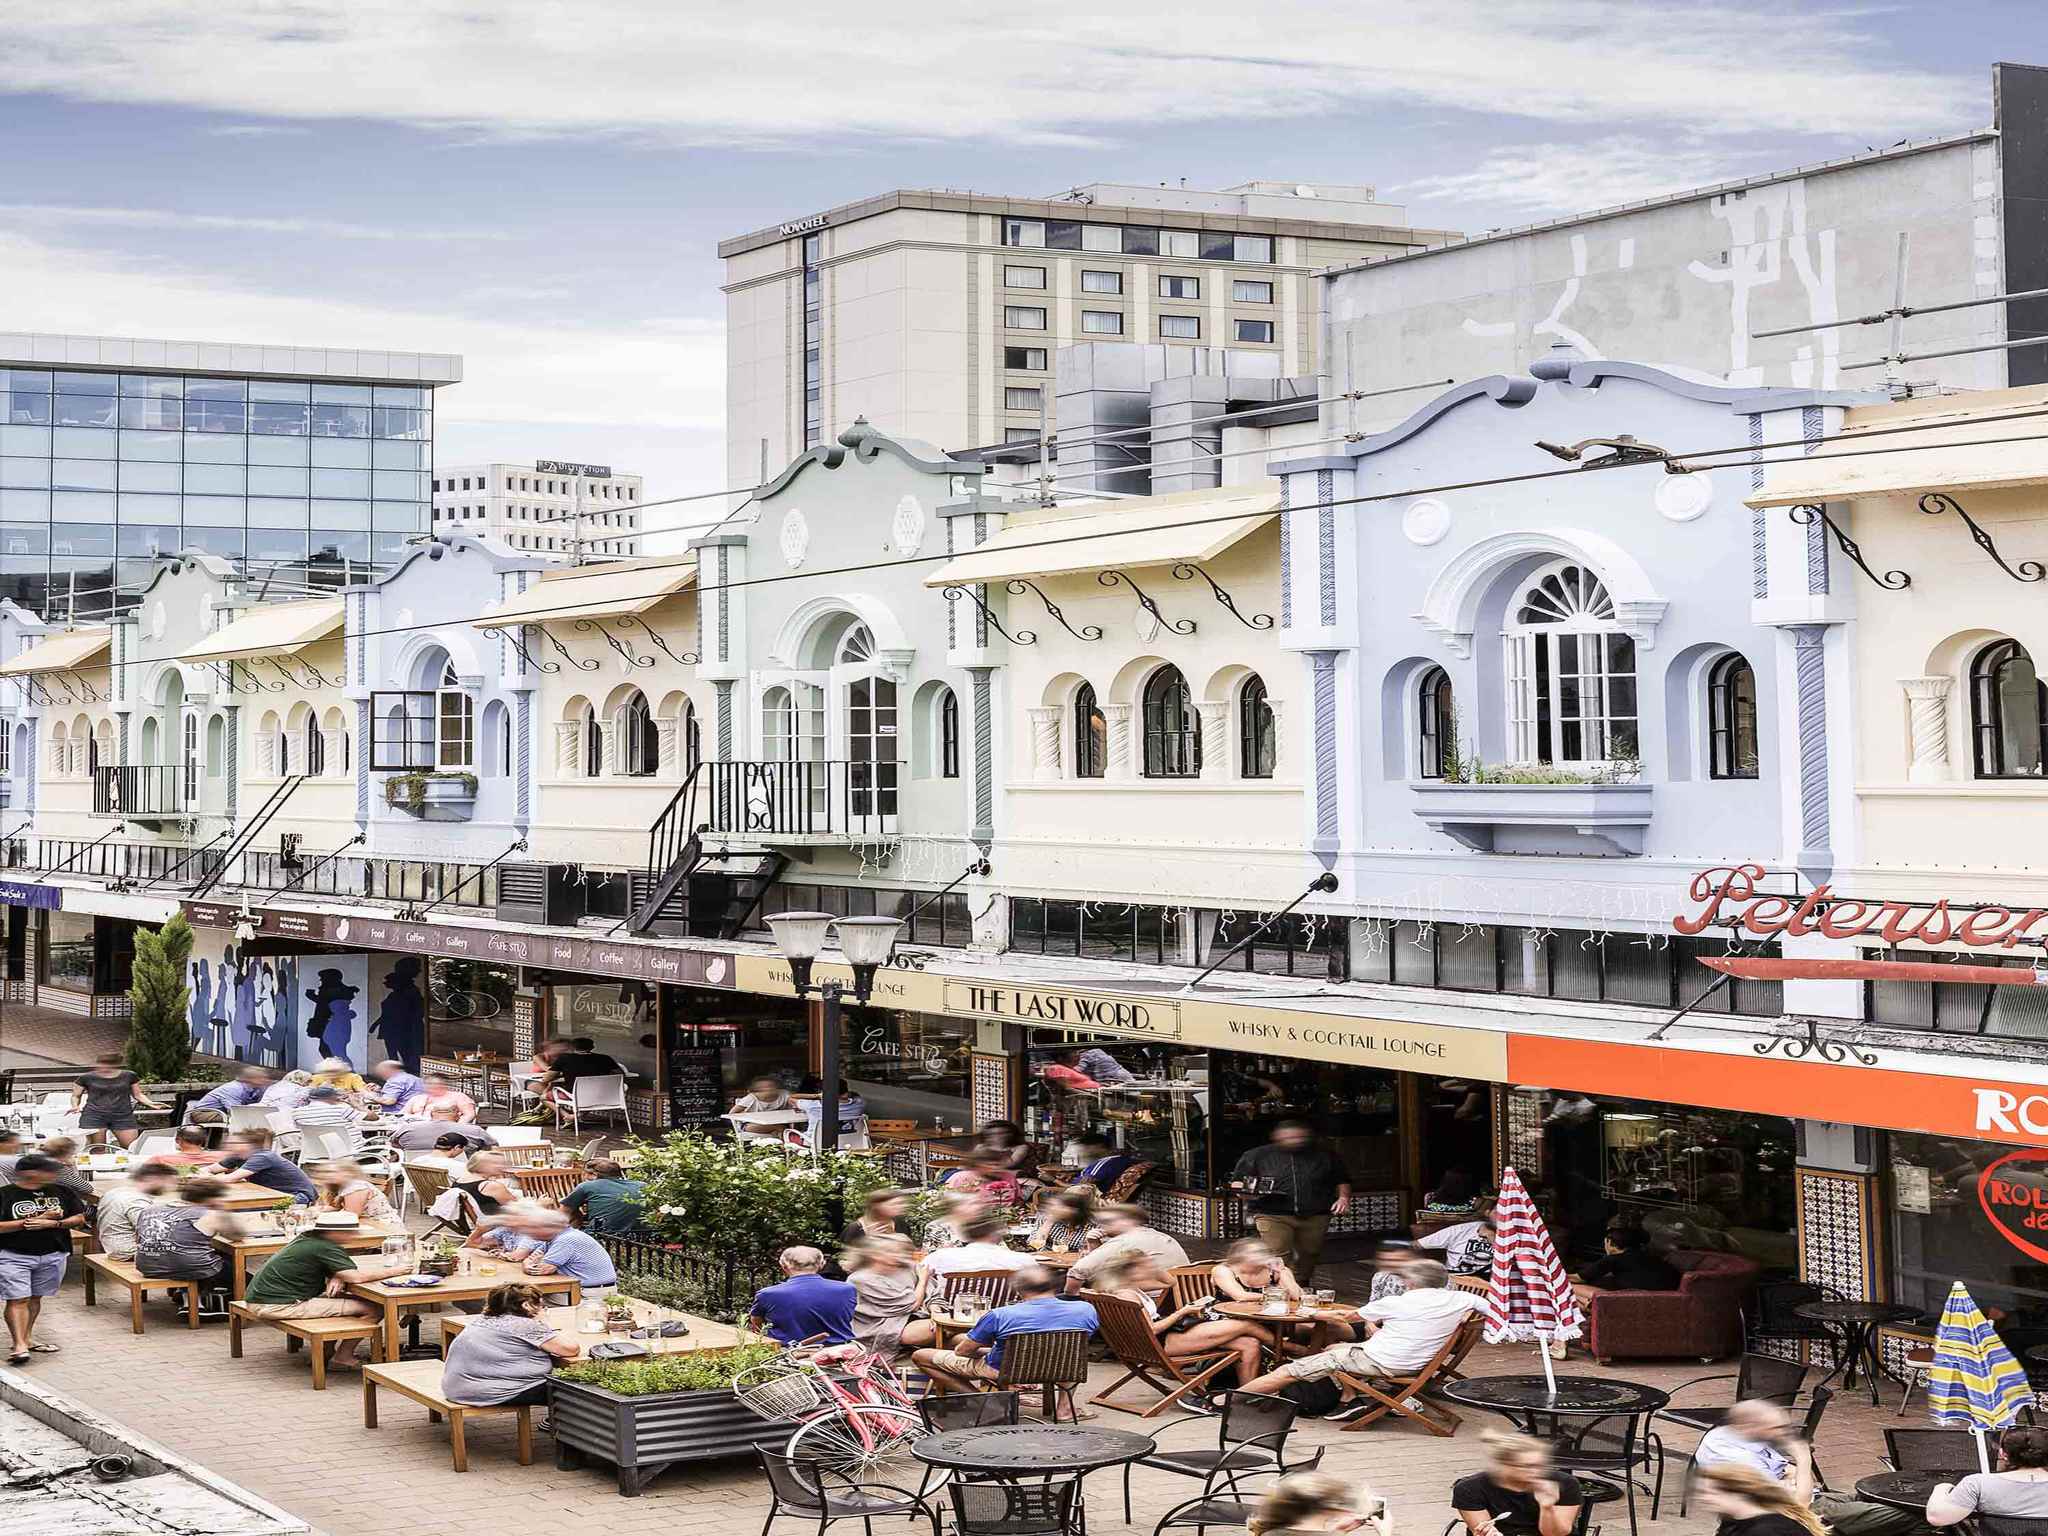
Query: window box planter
x,y
432,796
1601,821
642,1436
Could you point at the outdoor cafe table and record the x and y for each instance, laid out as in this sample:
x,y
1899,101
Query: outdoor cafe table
x,y
1296,1316
1902,1490
704,1332
1032,1450
394,1300
262,1245
1857,1322
1527,1401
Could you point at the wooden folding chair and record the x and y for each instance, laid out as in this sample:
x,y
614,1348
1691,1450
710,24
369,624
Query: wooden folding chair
x,y
1190,1283
993,1286
1395,1394
1055,1362
1128,1333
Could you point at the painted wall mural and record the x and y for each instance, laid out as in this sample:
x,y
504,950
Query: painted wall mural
x,y
289,1011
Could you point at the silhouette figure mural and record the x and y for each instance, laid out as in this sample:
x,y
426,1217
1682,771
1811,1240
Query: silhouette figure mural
x,y
286,1011
402,1020
199,1000
333,1020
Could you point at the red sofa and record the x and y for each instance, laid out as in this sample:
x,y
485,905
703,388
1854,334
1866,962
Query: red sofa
x,y
1703,1317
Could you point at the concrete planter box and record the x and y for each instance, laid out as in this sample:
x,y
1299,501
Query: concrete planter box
x,y
441,799
1601,821
644,1436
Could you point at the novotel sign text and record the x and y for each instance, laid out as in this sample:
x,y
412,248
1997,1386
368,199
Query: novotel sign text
x,y
1155,1018
804,226
1729,898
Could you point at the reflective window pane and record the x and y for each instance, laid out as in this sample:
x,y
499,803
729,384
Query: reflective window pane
x,y
341,420
341,514
216,479
278,450
153,414
400,517
151,477
340,453
277,419
146,540
341,482
398,485
209,415
86,411
152,386
228,543
277,546
401,394
388,455
24,506
298,391
331,546
25,440
82,474
278,512
28,409
32,539
82,506
27,473
83,443
216,389
26,381
158,447
215,448
340,394
82,539
87,383
401,422
278,480
214,511
142,509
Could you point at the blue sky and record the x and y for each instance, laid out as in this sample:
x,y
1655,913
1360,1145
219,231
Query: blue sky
x,y
540,186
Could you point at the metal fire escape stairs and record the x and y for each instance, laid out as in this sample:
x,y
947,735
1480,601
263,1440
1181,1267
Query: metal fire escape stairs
x,y
251,830
692,887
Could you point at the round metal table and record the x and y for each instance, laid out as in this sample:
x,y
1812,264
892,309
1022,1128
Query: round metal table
x,y
1858,1322
1526,1399
1902,1490
1007,1450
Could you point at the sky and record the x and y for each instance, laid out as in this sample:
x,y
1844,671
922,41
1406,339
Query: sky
x,y
541,186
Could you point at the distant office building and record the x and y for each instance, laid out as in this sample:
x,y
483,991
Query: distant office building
x,y
940,313
312,463
548,507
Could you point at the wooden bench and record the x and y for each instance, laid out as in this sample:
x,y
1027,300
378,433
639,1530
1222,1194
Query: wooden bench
x,y
420,1380
104,1266
322,1333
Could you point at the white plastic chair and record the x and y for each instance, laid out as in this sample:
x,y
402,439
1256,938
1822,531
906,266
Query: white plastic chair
x,y
517,1135
249,1117
596,1095
520,1080
150,1145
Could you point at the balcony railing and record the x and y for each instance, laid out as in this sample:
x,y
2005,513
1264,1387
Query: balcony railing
x,y
802,799
146,791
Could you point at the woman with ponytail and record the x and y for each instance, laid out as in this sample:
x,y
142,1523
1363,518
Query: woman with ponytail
x,y
1751,1504
1320,1501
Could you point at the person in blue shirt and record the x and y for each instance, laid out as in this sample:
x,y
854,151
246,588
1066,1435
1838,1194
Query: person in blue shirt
x,y
1037,1309
395,1085
1104,1068
247,1158
806,1305
544,1243
246,1089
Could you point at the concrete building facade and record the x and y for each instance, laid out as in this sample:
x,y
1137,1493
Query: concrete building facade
x,y
550,507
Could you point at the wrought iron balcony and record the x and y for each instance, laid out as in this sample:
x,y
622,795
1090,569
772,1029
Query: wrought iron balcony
x,y
782,801
146,793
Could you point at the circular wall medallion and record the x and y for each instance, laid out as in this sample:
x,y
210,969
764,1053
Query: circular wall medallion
x,y
908,526
1684,497
1426,521
795,537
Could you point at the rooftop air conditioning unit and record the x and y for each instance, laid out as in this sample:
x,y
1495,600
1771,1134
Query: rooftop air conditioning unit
x,y
545,894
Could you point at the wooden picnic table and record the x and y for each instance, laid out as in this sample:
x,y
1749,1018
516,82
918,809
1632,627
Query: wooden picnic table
x,y
239,1197
394,1301
262,1245
705,1333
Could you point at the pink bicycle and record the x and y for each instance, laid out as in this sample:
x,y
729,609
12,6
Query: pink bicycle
x,y
852,1412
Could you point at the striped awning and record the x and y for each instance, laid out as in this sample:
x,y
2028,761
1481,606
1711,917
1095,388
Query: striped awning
x,y
66,652
1185,529
595,591
275,629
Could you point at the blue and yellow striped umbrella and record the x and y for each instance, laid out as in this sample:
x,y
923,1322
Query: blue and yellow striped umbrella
x,y
1974,1382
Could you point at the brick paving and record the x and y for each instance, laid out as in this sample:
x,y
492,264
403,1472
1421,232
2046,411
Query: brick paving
x,y
32,1036
258,1422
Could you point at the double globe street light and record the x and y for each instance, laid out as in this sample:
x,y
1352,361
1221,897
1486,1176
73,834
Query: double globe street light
x,y
867,943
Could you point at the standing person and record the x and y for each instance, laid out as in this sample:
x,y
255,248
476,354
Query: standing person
x,y
174,1242
308,1277
111,1095
37,1217
1467,1246
1760,1438
401,1021
1319,1501
1064,1072
1295,1184
1519,1493
979,1356
1752,1503
1103,1067
1003,1137
607,1202
804,1304
114,1217
247,1158
1125,1229
2018,1491
508,1354
10,1152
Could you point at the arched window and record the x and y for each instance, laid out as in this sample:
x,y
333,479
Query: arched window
x,y
1436,726
1173,737
778,725
1091,735
1731,719
857,646
593,744
495,741
949,734
455,728
216,746
1571,673
2008,713
1257,748
693,738
316,745
640,753
336,728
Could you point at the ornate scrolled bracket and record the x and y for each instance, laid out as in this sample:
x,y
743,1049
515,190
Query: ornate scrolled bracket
x,y
1020,586
632,657
528,660
629,622
1891,581
314,677
1186,571
224,673
251,680
92,694
1178,626
1934,503
1799,1047
565,653
57,691
38,695
1021,637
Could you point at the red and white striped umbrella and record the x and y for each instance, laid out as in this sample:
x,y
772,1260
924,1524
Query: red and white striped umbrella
x,y
1532,1298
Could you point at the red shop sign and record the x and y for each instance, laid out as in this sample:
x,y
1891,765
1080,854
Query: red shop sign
x,y
1730,894
2015,1203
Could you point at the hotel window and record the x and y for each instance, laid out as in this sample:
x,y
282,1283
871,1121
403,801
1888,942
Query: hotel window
x,y
1141,242
1180,287
1062,235
1254,330
1102,282
1020,434
1023,317
1023,277
1258,747
2008,713
1091,734
1030,359
1019,399
1101,322
1731,719
1247,290
1436,726
1571,673
1180,327
1102,237
1179,242
949,735
1252,248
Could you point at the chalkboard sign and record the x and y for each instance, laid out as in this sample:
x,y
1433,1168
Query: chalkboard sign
x,y
696,1085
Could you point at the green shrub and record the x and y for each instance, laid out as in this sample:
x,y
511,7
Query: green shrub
x,y
731,1201
159,1032
706,1371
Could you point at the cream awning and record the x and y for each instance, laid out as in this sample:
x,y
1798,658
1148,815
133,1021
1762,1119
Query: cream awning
x,y
594,591
275,629
1158,530
1950,442
59,653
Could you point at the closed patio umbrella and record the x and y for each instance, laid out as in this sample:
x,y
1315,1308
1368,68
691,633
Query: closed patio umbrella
x,y
1974,1382
1531,1296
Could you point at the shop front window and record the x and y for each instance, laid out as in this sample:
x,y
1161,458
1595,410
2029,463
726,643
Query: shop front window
x,y
1160,1116
908,1066
616,1016
469,1008
69,962
1954,1218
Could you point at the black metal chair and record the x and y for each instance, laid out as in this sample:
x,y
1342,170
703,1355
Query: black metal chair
x,y
1231,1511
969,1410
1816,1408
1050,1508
1931,1450
1777,1314
1617,1453
817,1493
1251,1436
1755,1376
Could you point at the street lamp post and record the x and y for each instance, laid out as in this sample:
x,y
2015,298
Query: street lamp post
x,y
867,943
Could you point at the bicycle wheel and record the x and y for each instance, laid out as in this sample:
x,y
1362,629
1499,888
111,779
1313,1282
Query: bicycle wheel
x,y
864,1441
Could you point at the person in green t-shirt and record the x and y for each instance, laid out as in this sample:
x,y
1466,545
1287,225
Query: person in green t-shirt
x,y
607,1202
305,1278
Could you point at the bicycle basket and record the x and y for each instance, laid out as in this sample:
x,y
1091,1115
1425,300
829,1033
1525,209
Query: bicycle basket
x,y
777,1391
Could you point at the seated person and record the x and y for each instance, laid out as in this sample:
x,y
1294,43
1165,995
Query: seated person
x,y
248,1087
1404,1333
1247,1268
988,1175
247,1158
582,1059
765,1095
335,1073
1760,1439
1628,1266
175,1241
1104,1068
607,1201
979,1357
2018,1491
395,1085
326,1110
439,1099
1124,1229
1101,1164
343,1188
544,1242
1319,1501
1391,1260
1454,1195
114,1218
980,1249
305,1278
804,1304
1749,1503
188,1149
1519,1493
433,1135
507,1355
1003,1138
883,1270
1067,1222
882,1215
63,1151
289,1091
1467,1246
1136,1276
851,1107
957,1209
1063,1071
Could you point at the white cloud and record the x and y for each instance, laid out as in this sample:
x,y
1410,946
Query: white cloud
x,y
1538,180
519,379
807,69
256,131
173,218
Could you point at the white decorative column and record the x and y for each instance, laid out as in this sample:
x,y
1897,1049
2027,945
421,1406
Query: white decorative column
x,y
1045,741
1927,703
334,749
669,734
568,761
1116,719
266,755
611,746
1215,724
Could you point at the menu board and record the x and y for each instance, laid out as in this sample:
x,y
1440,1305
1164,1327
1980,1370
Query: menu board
x,y
696,1085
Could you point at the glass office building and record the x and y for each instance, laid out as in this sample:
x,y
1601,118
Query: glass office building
x,y
103,470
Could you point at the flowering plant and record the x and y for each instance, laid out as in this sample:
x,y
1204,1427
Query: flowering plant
x,y
747,1201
